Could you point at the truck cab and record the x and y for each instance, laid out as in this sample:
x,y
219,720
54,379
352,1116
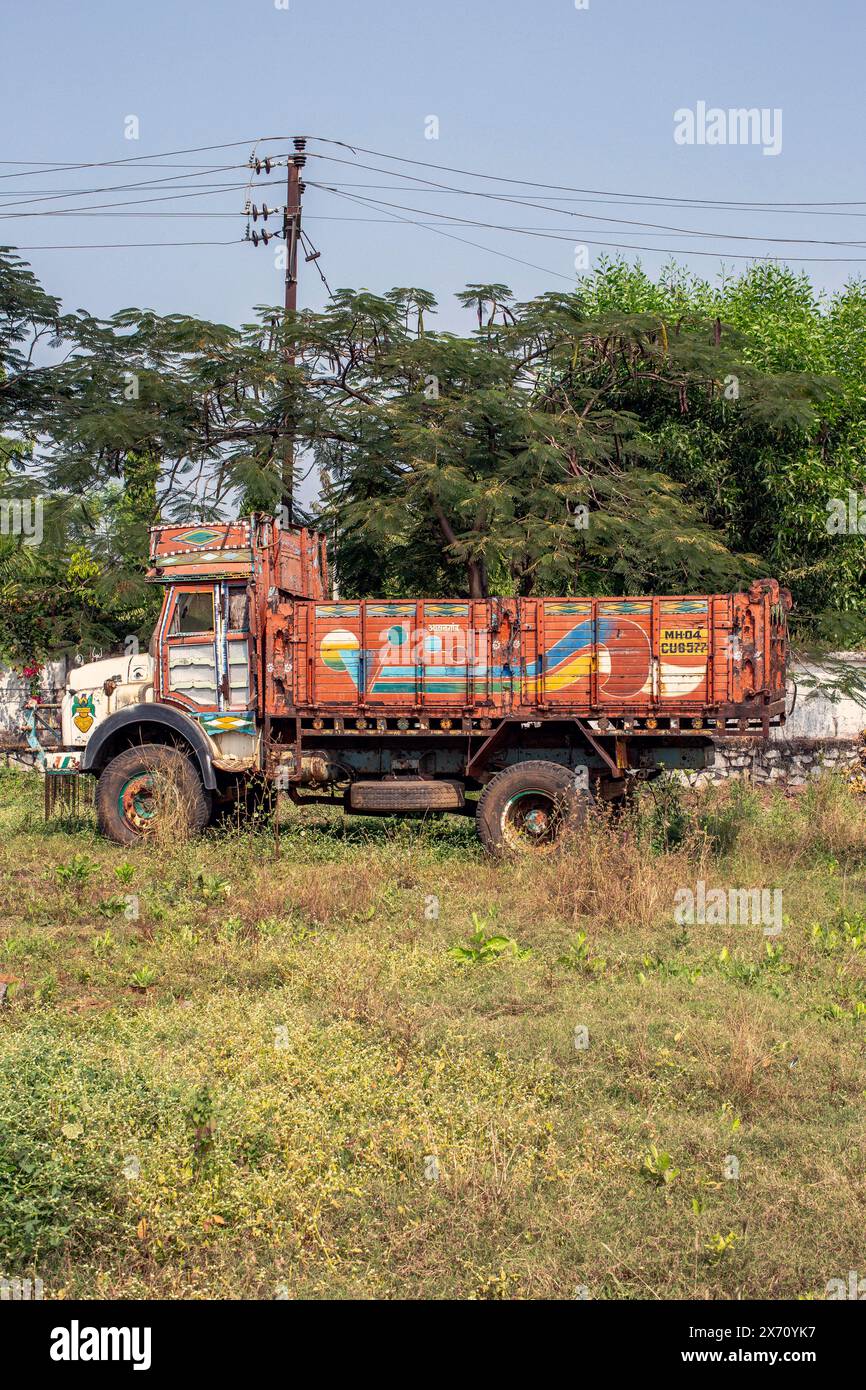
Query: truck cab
x,y
195,696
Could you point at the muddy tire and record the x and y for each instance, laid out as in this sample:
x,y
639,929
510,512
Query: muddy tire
x,y
526,807
126,806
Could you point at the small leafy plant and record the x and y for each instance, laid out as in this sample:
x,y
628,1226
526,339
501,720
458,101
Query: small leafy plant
x,y
577,957
658,1167
143,978
76,874
46,990
718,1245
848,934
747,972
199,1119
114,906
482,947
211,887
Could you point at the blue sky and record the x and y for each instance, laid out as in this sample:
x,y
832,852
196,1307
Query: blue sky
x,y
540,91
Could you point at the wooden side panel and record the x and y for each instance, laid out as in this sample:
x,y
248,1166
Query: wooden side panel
x,y
480,685
529,635
724,648
624,640
683,650
302,619
747,669
564,668
284,659
445,652
400,655
393,656
338,660
300,561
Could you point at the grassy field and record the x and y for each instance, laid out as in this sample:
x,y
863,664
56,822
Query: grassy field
x,y
384,1066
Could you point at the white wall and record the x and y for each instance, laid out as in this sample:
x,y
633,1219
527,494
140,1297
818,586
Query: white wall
x,y
816,716
14,693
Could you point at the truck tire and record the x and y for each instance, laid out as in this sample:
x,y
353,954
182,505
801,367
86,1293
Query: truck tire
x,y
526,807
125,808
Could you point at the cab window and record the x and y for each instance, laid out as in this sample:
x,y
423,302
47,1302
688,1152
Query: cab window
x,y
193,612
238,610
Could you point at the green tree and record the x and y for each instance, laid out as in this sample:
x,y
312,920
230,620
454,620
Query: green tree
x,y
635,434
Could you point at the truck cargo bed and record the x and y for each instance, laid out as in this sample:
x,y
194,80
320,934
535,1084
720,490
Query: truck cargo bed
x,y
717,655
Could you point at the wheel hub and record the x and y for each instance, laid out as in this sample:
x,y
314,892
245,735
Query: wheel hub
x,y
136,802
530,819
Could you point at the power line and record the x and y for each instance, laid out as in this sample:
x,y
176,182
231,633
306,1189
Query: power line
x,y
595,217
446,188
441,219
453,237
568,188
613,245
313,255
423,217
161,213
122,245
652,228
109,188
24,167
151,161
61,167
70,168
431,185
446,218
130,202
54,192
603,202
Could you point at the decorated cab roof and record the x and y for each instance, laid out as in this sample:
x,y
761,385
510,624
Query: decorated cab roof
x,y
217,550
259,548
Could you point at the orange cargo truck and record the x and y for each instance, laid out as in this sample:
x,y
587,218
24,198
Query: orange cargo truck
x,y
516,710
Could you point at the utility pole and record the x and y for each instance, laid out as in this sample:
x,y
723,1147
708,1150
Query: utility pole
x,y
291,235
292,222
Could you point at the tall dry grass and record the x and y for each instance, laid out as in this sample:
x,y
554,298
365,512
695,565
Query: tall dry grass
x,y
607,872
172,806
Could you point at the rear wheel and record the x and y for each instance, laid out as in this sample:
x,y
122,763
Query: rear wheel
x,y
527,806
145,785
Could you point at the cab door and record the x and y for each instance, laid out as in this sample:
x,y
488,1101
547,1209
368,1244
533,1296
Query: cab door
x,y
206,651
190,674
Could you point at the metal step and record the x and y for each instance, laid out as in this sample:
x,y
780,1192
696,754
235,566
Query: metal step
x,y
406,794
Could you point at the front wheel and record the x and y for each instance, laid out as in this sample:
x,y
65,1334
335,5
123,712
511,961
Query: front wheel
x,y
147,787
527,806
